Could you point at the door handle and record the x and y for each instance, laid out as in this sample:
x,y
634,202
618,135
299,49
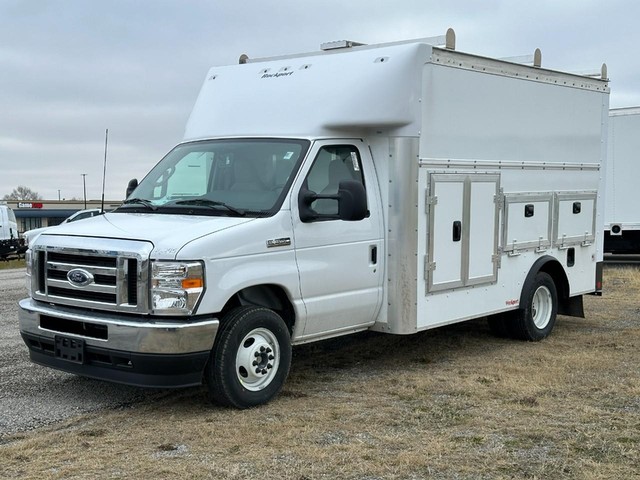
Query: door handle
x,y
457,231
373,254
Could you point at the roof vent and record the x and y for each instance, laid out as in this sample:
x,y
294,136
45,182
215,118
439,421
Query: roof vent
x,y
338,44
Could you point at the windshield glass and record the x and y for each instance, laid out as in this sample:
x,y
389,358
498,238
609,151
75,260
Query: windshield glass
x,y
222,177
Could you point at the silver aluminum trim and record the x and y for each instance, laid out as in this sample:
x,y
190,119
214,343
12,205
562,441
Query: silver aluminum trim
x,y
96,270
93,287
477,63
401,237
505,164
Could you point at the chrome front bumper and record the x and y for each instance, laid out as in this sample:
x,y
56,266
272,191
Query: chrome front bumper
x,y
166,336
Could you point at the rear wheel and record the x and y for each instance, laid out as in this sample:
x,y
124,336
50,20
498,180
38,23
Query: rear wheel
x,y
537,315
250,359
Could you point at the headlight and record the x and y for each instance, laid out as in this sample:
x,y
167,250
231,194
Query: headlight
x,y
176,287
27,261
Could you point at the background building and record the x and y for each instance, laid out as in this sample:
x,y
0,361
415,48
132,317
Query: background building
x,y
47,213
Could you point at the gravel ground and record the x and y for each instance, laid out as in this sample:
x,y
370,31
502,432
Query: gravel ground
x,y
32,396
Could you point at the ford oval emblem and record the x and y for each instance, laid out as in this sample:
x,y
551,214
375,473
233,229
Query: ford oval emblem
x,y
79,277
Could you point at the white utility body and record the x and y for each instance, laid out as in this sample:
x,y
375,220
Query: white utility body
x,y
395,187
621,213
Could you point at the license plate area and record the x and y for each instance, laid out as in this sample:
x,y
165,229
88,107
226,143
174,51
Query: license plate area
x,y
69,349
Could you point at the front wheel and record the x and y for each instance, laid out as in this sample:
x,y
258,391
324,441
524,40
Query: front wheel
x,y
250,359
537,316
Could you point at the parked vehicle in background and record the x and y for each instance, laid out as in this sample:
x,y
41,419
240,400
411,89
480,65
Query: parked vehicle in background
x,y
396,187
31,235
622,216
10,242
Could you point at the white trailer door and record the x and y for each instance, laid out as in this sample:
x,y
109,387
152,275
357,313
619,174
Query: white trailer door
x,y
463,230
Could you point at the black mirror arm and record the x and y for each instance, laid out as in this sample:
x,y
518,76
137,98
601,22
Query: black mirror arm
x,y
133,184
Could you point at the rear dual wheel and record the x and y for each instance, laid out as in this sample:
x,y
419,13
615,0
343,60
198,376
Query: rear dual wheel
x,y
250,359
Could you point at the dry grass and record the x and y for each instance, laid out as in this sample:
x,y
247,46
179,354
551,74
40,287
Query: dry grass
x,y
450,403
11,263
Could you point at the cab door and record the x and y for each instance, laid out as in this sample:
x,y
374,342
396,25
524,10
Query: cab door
x,y
339,262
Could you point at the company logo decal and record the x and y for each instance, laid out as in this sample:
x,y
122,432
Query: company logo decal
x,y
79,277
276,75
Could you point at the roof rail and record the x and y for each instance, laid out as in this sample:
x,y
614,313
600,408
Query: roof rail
x,y
534,60
448,41
602,73
337,44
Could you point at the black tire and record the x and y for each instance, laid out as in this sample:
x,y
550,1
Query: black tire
x,y
250,359
537,314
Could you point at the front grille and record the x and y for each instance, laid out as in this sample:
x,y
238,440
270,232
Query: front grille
x,y
109,280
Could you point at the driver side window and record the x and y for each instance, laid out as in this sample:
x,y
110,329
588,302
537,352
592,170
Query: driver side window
x,y
332,165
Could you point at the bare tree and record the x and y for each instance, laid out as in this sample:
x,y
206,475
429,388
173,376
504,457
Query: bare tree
x,y
22,193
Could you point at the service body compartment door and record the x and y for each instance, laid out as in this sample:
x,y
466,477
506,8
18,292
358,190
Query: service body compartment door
x,y
445,231
575,214
463,214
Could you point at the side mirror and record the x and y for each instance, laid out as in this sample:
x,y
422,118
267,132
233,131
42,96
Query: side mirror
x,y
352,201
351,198
133,184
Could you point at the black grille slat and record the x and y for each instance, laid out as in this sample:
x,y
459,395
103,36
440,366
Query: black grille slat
x,y
41,272
132,281
56,274
82,260
105,280
82,295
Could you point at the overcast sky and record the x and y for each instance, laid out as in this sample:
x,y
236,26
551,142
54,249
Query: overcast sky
x,y
71,69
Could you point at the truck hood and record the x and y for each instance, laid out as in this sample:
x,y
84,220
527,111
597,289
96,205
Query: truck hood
x,y
168,233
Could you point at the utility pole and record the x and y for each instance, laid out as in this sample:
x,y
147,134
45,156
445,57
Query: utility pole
x,y
84,188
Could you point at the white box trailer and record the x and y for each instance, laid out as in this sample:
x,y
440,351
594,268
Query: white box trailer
x,y
622,218
395,187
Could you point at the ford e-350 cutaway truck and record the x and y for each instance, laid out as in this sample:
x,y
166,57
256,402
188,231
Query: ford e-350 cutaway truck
x,y
395,188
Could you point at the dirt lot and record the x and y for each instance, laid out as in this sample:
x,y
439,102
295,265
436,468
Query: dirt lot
x,y
453,403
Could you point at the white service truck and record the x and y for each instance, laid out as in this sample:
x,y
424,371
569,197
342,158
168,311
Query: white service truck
x,y
621,214
10,243
396,188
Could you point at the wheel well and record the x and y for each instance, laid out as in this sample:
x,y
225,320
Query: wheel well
x,y
557,273
571,306
269,296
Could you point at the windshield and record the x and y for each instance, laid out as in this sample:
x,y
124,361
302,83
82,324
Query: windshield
x,y
221,177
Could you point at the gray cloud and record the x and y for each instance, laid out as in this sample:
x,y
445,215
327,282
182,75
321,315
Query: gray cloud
x,y
70,69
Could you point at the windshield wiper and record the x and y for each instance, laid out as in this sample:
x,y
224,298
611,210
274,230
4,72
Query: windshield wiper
x,y
204,202
141,201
